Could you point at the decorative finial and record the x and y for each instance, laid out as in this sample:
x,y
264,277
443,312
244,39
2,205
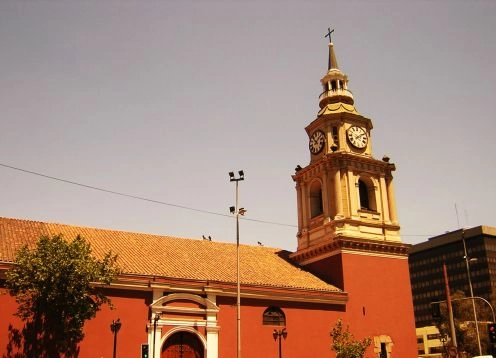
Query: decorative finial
x,y
329,32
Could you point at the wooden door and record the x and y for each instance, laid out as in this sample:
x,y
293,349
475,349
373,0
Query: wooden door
x,y
182,345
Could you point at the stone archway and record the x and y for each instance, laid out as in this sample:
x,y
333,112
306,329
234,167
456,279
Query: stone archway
x,y
183,344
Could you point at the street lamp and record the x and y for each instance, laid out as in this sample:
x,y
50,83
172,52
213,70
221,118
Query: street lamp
x,y
278,334
471,290
115,326
237,211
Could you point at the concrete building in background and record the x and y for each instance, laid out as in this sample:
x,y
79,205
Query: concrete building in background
x,y
426,261
430,342
178,296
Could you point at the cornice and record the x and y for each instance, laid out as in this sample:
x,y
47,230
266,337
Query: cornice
x,y
345,161
350,245
340,115
130,282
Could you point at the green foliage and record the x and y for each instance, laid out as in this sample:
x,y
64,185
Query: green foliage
x,y
56,288
463,317
344,343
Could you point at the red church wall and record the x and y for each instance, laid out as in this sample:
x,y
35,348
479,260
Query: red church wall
x,y
380,300
8,307
308,327
329,269
130,307
379,303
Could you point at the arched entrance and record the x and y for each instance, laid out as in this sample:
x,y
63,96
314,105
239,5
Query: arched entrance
x,y
182,345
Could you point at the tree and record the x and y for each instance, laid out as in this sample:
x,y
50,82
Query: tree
x,y
463,318
56,288
344,343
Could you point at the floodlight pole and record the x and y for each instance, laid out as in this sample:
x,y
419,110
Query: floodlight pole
x,y
237,211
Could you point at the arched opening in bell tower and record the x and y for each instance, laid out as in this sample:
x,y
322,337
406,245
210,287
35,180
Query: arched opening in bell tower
x,y
316,207
366,195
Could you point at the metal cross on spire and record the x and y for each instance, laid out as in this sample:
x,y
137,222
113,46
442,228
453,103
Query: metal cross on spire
x,y
329,32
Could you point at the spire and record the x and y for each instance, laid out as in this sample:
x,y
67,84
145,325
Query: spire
x,y
333,63
334,82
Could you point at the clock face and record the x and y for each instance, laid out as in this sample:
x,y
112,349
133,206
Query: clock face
x,y
357,137
317,142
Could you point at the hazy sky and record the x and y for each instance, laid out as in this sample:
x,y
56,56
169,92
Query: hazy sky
x,y
161,99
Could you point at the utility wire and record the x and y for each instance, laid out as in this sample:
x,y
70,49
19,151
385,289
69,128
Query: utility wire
x,y
158,201
139,197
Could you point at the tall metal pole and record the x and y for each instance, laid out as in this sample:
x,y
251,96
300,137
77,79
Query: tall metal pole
x,y
450,309
238,283
237,211
471,291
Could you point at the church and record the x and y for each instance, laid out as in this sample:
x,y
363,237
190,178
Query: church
x,y
190,298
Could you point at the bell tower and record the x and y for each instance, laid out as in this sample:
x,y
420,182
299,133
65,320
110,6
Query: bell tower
x,y
344,192
348,231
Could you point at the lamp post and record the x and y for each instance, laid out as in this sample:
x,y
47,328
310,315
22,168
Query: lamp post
x,y
115,326
471,291
237,211
155,320
278,334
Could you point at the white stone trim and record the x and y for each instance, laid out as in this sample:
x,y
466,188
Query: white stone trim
x,y
210,322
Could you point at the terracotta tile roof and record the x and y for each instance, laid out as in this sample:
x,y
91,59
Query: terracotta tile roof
x,y
170,257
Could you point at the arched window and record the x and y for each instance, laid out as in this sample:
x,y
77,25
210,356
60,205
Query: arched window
x,y
316,207
366,194
274,316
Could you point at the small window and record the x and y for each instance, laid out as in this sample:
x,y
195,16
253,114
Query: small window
x,y
274,316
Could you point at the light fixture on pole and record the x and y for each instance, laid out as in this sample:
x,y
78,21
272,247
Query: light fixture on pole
x,y
278,334
115,326
471,291
236,210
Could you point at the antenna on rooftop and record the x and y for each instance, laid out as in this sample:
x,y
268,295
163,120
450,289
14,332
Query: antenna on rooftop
x,y
457,218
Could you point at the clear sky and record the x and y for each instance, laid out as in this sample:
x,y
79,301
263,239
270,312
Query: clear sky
x,y
161,99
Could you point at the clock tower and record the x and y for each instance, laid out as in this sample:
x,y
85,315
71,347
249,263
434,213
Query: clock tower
x,y
348,231
344,191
